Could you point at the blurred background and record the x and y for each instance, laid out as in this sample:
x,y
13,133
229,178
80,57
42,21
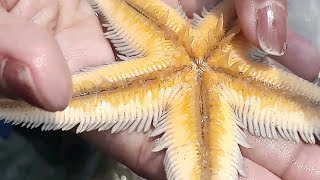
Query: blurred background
x,y
304,18
35,155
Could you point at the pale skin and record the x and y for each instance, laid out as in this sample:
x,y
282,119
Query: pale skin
x,y
54,38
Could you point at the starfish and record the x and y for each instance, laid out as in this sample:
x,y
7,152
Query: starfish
x,y
197,85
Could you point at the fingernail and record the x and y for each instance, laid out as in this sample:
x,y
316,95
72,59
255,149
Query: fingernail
x,y
18,80
272,29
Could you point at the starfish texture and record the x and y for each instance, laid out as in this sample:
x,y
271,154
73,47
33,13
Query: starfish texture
x,y
197,84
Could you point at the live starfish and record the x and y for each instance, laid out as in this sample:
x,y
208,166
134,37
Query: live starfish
x,y
198,84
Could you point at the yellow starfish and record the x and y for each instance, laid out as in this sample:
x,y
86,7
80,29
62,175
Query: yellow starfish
x,y
198,84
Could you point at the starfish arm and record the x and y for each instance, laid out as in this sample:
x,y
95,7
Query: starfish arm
x,y
118,16
135,108
223,12
268,113
211,31
173,20
222,134
182,137
145,56
124,73
241,59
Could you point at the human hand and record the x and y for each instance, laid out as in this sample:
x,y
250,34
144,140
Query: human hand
x,y
41,42
80,40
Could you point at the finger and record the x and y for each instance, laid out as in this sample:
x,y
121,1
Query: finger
x,y
83,44
42,12
32,66
191,6
75,26
301,57
294,58
264,23
285,159
133,150
172,3
271,35
8,4
255,171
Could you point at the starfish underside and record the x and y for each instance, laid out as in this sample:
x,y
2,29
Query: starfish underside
x,y
198,84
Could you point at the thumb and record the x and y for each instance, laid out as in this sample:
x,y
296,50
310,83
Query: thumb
x,y
264,23
32,66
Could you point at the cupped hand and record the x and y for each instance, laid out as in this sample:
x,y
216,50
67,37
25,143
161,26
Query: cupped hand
x,y
43,41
